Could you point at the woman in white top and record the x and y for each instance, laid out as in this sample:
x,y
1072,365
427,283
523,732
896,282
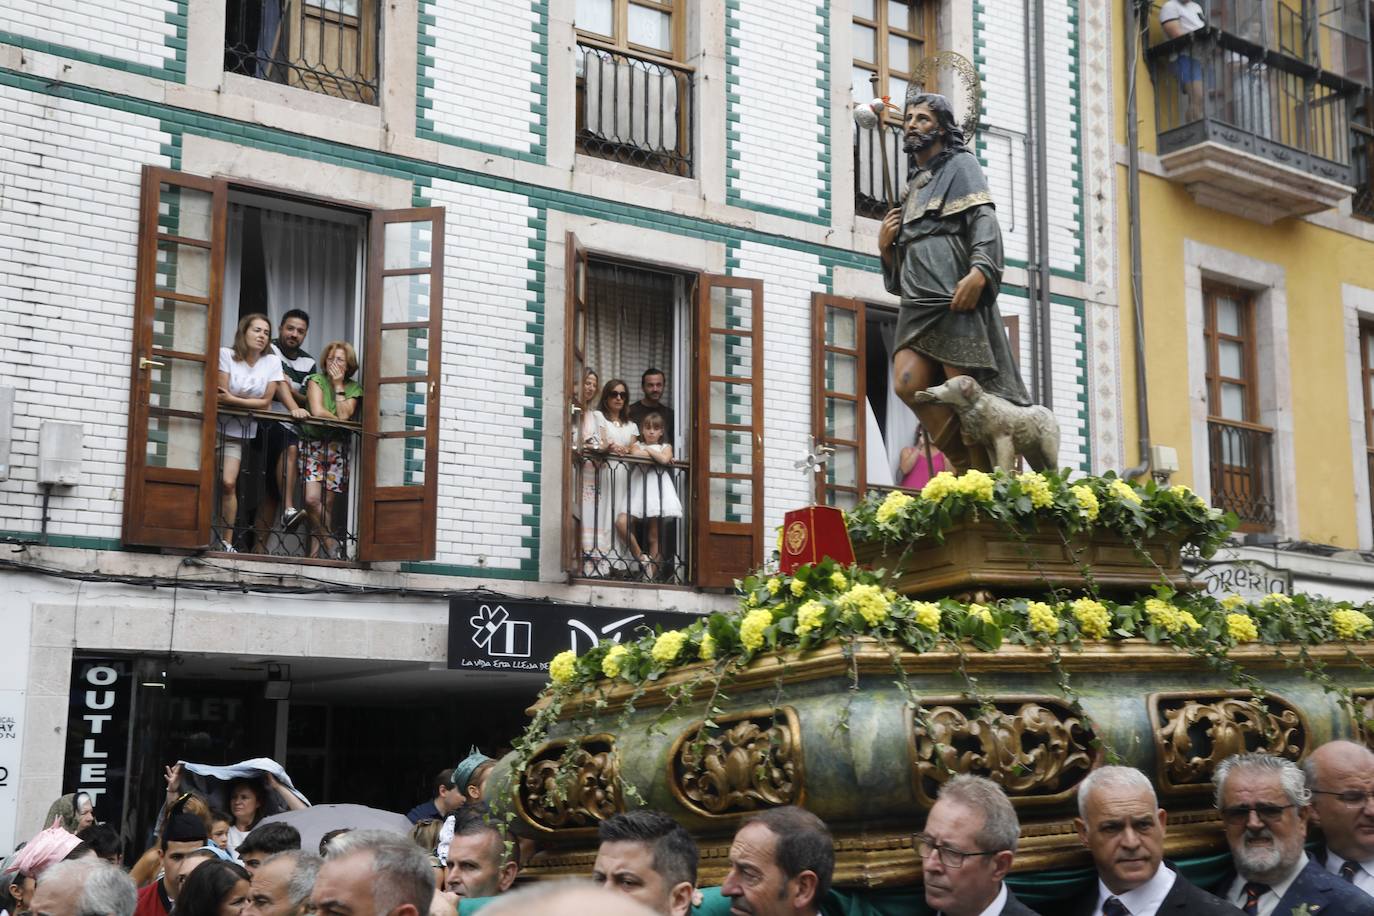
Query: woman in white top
x,y
249,373
617,433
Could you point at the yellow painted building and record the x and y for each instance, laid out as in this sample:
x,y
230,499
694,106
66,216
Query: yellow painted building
x,y
1256,270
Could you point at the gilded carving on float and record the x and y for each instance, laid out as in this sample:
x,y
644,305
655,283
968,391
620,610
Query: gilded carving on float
x,y
1195,732
751,761
591,795
1036,748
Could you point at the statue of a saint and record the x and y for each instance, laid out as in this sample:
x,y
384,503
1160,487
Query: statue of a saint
x,y
942,253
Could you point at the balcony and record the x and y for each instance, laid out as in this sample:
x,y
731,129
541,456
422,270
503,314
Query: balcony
x,y
1249,129
1362,165
325,46
251,519
1243,471
870,189
623,512
634,109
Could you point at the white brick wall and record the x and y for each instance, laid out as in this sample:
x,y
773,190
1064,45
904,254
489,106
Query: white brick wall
x,y
789,278
1068,395
483,72
130,30
780,121
69,185
486,313
1003,73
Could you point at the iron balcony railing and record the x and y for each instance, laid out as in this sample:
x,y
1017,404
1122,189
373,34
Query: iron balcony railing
x,y
327,46
1242,458
1213,86
1362,167
634,109
325,527
624,519
870,190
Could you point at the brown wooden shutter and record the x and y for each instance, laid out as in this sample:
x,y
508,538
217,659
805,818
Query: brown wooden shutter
x,y
170,466
728,446
398,496
574,367
839,411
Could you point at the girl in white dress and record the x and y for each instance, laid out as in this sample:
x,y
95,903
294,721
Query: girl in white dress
x,y
587,440
653,492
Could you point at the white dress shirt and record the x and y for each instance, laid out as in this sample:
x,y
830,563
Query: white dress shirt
x,y
1270,898
1144,900
1364,870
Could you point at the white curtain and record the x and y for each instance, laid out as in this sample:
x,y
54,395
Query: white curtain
x,y
877,467
310,264
901,422
630,325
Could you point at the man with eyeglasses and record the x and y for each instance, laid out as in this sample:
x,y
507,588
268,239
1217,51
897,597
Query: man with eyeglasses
x,y
967,849
1122,825
1263,801
1340,775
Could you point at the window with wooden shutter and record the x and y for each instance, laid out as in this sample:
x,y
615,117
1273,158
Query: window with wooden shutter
x,y
729,429
839,411
170,466
398,496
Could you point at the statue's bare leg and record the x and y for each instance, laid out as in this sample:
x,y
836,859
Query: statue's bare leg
x,y
913,372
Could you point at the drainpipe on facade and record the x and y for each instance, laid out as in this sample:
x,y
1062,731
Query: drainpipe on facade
x,y
1034,194
1042,213
1133,216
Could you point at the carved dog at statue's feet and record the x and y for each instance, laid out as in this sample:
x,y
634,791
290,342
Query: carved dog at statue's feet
x,y
1004,429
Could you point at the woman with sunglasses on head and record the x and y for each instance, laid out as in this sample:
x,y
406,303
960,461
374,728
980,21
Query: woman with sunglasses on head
x,y
332,395
617,434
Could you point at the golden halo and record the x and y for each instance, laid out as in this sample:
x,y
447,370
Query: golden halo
x,y
931,71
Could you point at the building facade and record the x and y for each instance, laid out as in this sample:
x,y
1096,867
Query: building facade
x,y
486,201
1254,247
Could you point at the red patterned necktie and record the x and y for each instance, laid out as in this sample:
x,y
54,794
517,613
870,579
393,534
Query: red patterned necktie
x,y
1253,892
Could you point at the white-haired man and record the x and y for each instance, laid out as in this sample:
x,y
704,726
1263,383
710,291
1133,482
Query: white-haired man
x,y
1263,801
1340,776
967,848
373,873
1121,823
84,887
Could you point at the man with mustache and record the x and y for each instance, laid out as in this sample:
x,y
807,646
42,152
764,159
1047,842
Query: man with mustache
x,y
781,863
967,848
1340,775
1122,825
942,253
1263,801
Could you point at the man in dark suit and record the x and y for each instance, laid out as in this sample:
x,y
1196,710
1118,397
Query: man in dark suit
x,y
1264,805
1340,775
1122,825
967,848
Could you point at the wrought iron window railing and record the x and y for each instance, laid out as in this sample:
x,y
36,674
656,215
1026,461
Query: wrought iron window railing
x,y
327,46
624,519
634,109
1362,167
871,191
1213,86
1242,473
325,527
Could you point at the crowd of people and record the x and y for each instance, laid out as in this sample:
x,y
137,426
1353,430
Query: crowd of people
x,y
628,491
460,856
255,373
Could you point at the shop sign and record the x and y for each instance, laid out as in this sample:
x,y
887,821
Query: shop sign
x,y
11,740
1246,578
98,714
524,636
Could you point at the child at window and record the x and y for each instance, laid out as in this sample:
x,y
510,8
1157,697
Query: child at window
x,y
653,491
